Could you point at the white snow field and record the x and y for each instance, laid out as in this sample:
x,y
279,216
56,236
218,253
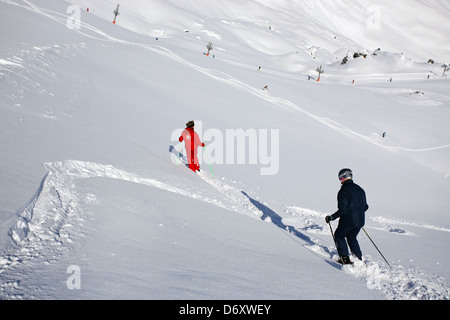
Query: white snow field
x,y
96,201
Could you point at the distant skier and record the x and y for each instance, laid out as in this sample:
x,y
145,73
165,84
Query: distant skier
x,y
191,142
352,206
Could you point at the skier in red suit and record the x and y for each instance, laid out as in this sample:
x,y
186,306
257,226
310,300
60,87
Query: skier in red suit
x,y
191,141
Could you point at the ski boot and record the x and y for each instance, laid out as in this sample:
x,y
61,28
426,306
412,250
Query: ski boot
x,y
344,260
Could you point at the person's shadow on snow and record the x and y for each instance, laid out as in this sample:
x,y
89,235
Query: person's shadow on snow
x,y
177,156
278,221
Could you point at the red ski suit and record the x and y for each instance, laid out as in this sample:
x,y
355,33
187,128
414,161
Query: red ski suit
x,y
191,142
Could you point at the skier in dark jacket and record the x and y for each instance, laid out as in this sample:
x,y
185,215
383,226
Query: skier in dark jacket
x,y
352,206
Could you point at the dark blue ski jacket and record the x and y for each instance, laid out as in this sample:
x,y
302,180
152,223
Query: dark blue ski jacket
x,y
352,205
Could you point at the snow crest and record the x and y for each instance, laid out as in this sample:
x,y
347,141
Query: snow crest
x,y
53,220
57,199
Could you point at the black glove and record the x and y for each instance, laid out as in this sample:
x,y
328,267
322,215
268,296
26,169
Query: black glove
x,y
328,219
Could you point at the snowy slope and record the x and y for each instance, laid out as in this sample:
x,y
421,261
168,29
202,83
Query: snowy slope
x,y
91,180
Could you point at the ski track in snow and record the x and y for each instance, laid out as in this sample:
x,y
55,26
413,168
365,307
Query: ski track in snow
x,y
398,283
219,76
54,220
388,222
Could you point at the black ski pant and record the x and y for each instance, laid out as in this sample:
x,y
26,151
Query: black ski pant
x,y
350,233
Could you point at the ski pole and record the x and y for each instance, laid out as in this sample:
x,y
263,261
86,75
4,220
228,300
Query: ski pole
x,y
210,168
376,247
334,239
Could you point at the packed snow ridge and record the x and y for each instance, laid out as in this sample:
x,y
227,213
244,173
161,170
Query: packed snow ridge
x,y
55,218
130,216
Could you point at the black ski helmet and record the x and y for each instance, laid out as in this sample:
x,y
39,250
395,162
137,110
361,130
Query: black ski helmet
x,y
190,124
345,174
